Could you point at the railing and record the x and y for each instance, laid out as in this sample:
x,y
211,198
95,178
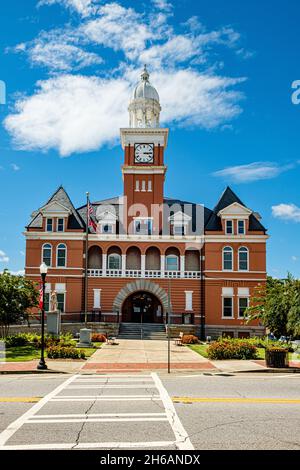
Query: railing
x,y
148,274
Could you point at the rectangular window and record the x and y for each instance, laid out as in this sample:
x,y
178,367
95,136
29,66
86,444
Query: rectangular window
x,y
137,185
227,307
150,185
143,185
49,225
178,230
229,227
61,302
143,227
243,304
188,300
241,227
60,225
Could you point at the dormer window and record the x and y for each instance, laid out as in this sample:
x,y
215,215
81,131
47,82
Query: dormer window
x,y
107,228
241,227
49,225
60,225
229,227
143,226
179,229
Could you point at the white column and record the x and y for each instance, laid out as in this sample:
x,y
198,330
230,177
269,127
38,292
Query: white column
x,y
143,265
104,264
162,265
182,265
97,298
123,265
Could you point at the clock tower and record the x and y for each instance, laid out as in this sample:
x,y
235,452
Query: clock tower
x,y
144,143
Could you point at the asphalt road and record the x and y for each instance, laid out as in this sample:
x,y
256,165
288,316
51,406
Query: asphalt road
x,y
150,411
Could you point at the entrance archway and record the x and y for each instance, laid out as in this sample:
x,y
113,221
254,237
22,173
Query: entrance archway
x,y
142,307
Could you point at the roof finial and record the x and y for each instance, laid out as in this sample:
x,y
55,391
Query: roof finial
x,y
145,74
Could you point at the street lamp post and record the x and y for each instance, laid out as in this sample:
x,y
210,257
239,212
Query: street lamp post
x,y
42,364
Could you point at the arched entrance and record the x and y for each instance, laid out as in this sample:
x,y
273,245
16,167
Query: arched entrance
x,y
142,307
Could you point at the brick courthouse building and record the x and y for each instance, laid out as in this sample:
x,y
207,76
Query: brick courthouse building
x,y
148,254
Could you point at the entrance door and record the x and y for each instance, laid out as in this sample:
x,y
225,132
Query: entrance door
x,y
142,307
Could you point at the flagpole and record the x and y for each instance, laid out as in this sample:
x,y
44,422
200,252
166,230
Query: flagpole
x,y
86,260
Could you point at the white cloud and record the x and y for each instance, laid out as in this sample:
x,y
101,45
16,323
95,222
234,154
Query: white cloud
x,y
119,28
289,212
294,258
3,257
83,7
21,272
78,113
252,172
163,5
15,167
71,114
55,51
182,47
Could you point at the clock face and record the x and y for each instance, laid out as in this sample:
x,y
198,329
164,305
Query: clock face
x,y
143,153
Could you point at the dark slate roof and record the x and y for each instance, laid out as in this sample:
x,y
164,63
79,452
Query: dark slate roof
x,y
227,198
61,196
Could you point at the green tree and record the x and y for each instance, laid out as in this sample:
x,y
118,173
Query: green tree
x,y
17,296
277,306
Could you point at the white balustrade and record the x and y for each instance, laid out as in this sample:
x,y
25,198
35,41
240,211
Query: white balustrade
x,y
149,274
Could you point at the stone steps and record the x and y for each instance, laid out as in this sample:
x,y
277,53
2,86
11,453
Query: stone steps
x,y
142,331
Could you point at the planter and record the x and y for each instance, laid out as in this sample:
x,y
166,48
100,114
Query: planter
x,y
277,358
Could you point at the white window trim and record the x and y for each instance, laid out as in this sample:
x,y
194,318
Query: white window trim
x,y
242,297
189,300
120,258
232,259
149,186
51,256
232,224
66,254
248,260
244,227
64,294
49,218
137,185
63,219
111,224
232,300
166,261
143,186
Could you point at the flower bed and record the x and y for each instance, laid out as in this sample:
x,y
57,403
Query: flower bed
x,y
228,348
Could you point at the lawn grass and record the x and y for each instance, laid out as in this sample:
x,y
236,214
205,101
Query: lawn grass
x,y
29,353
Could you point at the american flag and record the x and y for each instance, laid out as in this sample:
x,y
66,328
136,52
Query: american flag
x,y
91,222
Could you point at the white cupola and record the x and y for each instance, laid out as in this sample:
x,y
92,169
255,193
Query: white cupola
x,y
144,107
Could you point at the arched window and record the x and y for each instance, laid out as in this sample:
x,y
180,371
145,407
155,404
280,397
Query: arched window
x,y
61,255
227,258
47,254
172,263
243,258
114,261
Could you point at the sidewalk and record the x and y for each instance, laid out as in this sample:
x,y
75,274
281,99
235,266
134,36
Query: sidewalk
x,y
139,355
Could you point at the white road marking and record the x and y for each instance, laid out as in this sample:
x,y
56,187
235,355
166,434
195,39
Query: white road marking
x,y
182,439
78,387
90,445
120,398
94,415
13,427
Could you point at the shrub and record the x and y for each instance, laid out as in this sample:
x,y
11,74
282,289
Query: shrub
x,y
62,352
231,348
98,338
19,339
190,339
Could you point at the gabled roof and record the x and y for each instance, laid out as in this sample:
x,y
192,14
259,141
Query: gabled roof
x,y
228,198
61,197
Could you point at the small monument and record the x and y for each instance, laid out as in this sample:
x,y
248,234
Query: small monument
x,y
53,316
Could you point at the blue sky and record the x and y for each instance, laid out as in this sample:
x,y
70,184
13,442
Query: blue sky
x,y
224,72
